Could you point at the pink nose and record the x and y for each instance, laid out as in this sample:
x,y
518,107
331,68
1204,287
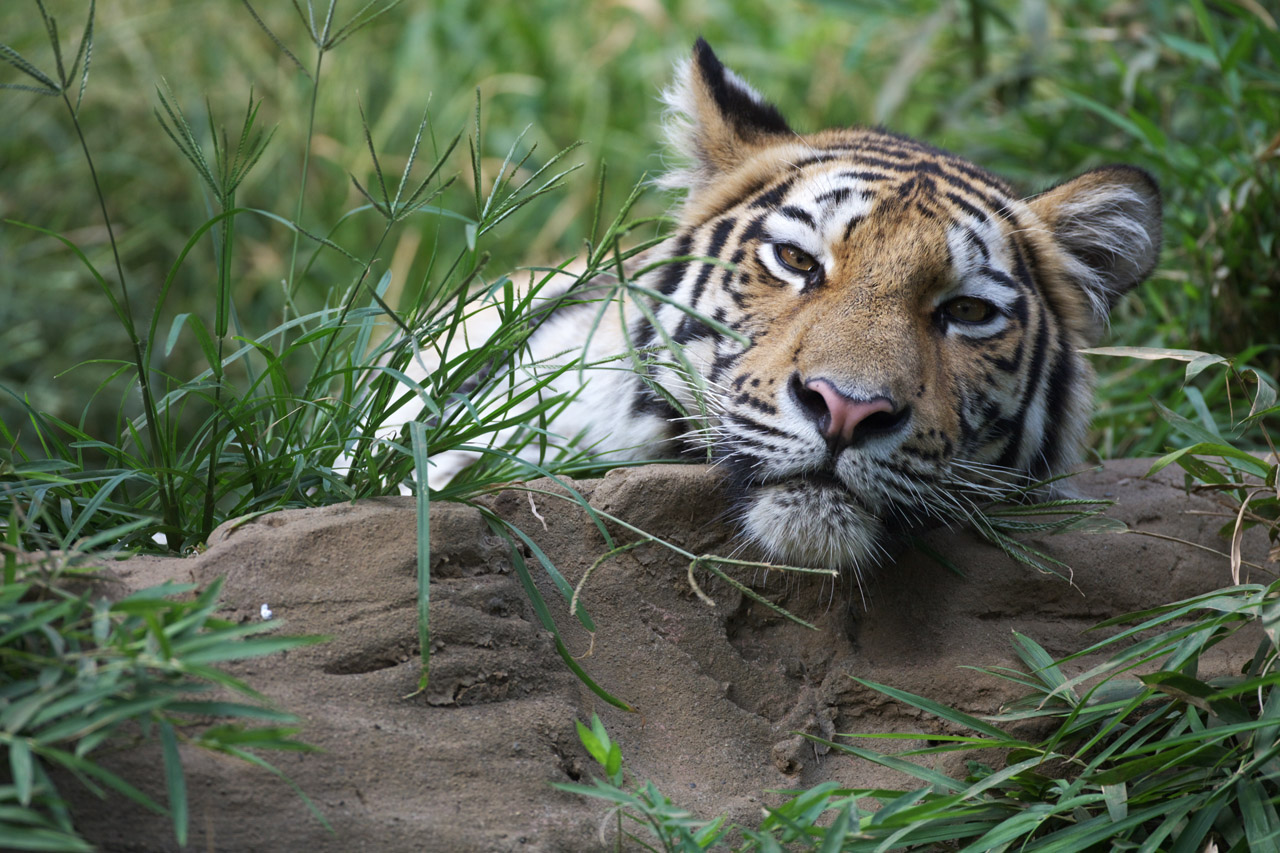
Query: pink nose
x,y
845,413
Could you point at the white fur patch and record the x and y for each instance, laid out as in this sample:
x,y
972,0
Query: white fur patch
x,y
807,524
1113,221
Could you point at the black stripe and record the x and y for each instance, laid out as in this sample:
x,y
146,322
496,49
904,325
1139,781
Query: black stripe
x,y
928,211
952,169
972,238
863,175
718,238
1062,379
836,196
1035,375
645,402
642,332
1000,277
1026,264
815,159
723,362
753,231
968,207
746,399
1003,364
750,425
774,196
673,273
700,283
980,175
726,279
797,214
688,329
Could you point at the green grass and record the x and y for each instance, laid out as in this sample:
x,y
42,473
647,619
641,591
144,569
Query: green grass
x,y
79,673
227,227
1034,91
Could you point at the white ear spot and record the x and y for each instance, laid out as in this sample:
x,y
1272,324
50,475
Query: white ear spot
x,y
1108,223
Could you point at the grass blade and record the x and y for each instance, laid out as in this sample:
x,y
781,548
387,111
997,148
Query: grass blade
x,y
418,441
175,782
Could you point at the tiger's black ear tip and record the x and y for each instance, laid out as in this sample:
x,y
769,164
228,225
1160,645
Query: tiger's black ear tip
x,y
737,102
708,62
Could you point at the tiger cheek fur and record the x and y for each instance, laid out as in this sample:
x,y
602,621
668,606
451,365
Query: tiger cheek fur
x,y
913,323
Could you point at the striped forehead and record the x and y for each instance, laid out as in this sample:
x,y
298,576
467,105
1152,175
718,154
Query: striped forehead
x,y
828,192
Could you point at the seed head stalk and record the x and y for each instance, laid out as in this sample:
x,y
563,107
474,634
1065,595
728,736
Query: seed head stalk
x,y
306,167
159,451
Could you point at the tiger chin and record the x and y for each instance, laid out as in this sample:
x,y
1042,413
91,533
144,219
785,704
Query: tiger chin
x,y
913,324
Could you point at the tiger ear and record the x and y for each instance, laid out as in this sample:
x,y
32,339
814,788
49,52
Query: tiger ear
x,y
715,119
1108,222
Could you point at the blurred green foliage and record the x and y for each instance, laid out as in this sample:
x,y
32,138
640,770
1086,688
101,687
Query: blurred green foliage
x,y
1033,89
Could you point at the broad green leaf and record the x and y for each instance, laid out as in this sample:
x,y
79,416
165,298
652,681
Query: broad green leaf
x,y
1117,800
1040,662
21,766
40,838
613,763
594,747
1257,808
175,782
835,834
1265,395
942,711
1243,461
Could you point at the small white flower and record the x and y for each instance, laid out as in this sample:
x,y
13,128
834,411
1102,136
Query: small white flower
x,y
265,612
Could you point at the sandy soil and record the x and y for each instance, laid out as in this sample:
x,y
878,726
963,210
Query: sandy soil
x,y
720,692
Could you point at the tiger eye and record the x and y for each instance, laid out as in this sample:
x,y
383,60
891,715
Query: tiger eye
x,y
968,309
796,259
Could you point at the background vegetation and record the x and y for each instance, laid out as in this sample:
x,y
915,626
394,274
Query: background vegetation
x,y
1033,90
214,350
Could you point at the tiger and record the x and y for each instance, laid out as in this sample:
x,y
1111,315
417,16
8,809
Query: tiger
x,y
861,330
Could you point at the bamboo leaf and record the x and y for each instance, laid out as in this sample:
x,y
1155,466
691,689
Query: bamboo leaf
x,y
21,765
175,782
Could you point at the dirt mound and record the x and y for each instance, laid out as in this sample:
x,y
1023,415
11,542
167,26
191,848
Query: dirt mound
x,y
719,690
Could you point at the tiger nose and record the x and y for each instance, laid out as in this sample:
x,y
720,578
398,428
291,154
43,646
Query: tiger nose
x,y
844,420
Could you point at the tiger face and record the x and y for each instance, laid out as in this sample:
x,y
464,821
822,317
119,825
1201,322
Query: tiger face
x,y
907,326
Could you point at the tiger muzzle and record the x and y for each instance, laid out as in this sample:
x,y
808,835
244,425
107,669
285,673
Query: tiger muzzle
x,y
846,420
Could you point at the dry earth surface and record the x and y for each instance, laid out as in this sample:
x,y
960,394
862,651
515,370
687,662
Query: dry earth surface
x,y
720,691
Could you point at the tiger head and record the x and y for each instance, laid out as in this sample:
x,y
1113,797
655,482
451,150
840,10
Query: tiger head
x,y
912,325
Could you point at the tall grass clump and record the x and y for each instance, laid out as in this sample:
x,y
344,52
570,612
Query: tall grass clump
x,y
81,675
299,413
291,415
